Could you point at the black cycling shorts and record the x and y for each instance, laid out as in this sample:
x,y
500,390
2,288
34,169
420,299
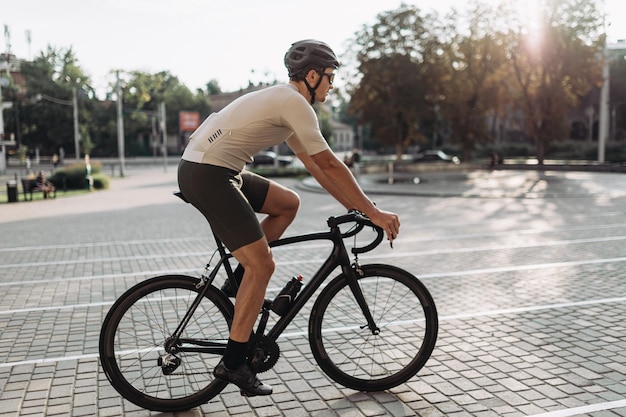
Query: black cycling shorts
x,y
228,199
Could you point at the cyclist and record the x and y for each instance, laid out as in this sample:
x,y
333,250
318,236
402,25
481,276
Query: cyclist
x,y
212,178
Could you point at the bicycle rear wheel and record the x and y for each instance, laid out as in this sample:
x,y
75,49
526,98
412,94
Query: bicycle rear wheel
x,y
137,330
348,351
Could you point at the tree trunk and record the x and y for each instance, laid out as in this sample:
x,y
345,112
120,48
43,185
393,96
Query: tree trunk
x,y
541,151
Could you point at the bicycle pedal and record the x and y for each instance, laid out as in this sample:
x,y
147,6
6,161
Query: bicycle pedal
x,y
168,363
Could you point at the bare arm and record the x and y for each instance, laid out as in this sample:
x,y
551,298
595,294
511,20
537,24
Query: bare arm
x,y
324,181
336,178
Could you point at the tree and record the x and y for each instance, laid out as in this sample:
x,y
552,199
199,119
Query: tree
x,y
391,98
617,95
46,114
474,71
142,94
555,61
391,88
213,87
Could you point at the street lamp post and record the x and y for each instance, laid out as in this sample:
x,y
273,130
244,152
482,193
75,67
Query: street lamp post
x,y
120,125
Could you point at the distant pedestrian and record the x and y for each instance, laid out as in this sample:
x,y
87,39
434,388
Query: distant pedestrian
x,y
355,160
43,185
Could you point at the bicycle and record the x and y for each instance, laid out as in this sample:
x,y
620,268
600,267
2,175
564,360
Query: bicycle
x,y
371,328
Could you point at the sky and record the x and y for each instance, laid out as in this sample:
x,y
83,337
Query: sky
x,y
234,42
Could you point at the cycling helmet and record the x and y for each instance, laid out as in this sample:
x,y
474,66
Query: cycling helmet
x,y
307,54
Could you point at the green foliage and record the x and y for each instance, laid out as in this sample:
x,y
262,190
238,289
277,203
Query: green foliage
x,y
393,83
563,150
475,71
473,65
46,111
555,63
100,182
618,95
416,78
46,107
74,176
392,90
324,118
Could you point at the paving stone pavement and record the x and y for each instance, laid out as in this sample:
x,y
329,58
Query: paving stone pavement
x,y
527,270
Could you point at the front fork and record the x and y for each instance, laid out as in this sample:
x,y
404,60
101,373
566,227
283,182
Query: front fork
x,y
352,274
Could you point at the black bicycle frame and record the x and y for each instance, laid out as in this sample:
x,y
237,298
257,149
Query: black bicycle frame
x,y
338,257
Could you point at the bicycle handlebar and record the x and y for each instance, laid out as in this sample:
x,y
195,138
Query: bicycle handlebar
x,y
361,220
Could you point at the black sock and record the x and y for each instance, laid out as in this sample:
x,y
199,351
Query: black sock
x,y
235,354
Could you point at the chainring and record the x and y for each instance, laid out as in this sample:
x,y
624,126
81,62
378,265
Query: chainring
x,y
263,353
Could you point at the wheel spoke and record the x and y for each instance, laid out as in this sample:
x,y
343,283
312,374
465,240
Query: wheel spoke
x,y
350,353
133,344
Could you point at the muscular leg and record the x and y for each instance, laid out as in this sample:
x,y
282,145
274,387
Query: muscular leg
x,y
257,260
281,206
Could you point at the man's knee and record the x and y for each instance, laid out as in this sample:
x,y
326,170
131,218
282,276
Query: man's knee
x,y
267,265
281,202
292,202
261,268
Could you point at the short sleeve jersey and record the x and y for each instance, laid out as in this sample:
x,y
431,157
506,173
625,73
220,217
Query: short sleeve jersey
x,y
253,122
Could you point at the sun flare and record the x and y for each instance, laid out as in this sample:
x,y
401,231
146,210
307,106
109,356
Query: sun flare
x,y
531,14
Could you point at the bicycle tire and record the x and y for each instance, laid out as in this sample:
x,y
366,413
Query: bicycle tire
x,y
347,350
134,332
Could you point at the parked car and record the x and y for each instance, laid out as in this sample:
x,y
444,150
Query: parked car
x,y
269,158
436,156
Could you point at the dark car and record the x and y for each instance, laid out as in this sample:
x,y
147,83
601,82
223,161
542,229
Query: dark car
x,y
269,158
436,156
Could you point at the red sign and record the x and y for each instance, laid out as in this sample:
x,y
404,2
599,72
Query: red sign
x,y
188,121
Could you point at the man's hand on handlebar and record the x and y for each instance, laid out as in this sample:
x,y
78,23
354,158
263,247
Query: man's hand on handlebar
x,y
388,221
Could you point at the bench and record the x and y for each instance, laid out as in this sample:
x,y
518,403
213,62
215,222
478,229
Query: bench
x,y
30,185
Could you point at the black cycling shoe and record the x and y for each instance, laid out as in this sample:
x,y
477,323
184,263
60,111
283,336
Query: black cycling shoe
x,y
244,378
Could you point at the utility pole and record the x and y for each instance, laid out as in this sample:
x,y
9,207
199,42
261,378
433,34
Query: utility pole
x,y
120,126
75,111
2,145
163,132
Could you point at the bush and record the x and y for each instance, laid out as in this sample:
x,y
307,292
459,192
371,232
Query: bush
x,y
100,182
73,177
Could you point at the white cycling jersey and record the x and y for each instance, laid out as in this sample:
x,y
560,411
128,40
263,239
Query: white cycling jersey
x,y
253,122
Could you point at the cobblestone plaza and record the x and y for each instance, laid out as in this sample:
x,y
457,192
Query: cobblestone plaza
x,y
527,269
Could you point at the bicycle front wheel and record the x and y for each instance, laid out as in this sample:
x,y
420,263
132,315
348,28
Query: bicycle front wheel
x,y
141,359
356,357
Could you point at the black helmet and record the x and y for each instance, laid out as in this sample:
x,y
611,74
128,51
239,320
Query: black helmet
x,y
307,54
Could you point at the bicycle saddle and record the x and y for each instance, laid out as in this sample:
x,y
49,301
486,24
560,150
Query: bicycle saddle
x,y
180,195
